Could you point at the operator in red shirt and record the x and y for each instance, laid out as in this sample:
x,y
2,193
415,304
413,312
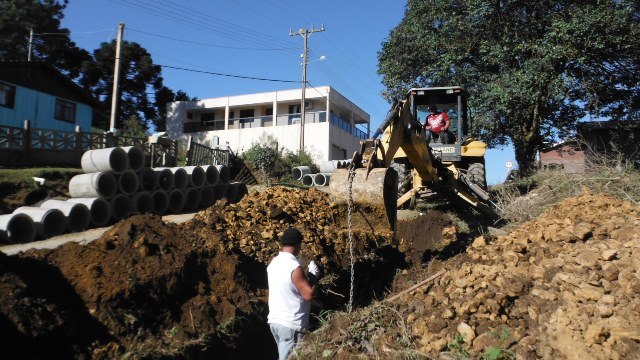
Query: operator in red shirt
x,y
437,124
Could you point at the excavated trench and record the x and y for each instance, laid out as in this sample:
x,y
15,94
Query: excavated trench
x,y
149,289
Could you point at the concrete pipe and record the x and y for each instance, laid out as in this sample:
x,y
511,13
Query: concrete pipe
x,y
224,174
120,207
164,178
160,202
231,193
219,191
322,179
78,215
207,196
192,198
99,208
16,228
147,179
211,174
109,159
299,172
307,179
48,222
197,176
101,184
176,201
128,182
142,203
328,166
135,156
241,190
180,178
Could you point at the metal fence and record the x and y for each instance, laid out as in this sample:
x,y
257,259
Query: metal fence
x,y
198,154
42,147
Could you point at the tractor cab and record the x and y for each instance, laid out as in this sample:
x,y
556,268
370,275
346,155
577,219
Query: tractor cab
x,y
452,101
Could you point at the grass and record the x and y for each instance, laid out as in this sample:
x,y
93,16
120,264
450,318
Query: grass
x,y
25,175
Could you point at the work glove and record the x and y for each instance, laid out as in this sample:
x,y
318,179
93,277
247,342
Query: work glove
x,y
314,269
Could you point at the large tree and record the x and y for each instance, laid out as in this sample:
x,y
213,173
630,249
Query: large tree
x,y
162,98
139,78
534,67
51,43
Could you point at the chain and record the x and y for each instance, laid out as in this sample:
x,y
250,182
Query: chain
x,y
352,174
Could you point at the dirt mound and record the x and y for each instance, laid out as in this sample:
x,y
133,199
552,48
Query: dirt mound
x,y
564,285
13,195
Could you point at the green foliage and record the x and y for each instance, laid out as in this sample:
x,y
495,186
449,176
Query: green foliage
x,y
533,68
44,16
133,127
457,346
500,352
276,163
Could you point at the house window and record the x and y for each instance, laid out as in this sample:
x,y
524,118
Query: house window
x,y
65,110
7,95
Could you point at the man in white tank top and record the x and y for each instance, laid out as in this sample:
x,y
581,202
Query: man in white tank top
x,y
290,293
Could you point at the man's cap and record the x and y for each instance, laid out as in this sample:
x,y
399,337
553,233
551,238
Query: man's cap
x,y
291,236
433,107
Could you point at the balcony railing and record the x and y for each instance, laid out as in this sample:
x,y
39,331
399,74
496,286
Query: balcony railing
x,y
250,122
309,118
346,126
198,126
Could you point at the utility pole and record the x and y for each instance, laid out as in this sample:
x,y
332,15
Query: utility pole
x,y
116,80
305,33
30,44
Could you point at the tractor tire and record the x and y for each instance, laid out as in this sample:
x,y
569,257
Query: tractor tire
x,y
405,178
477,173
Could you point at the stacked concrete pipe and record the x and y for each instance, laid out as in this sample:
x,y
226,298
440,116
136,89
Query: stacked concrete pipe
x,y
78,214
322,179
299,172
211,174
48,222
308,179
16,228
99,208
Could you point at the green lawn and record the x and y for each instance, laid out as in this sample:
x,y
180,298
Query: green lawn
x,y
26,175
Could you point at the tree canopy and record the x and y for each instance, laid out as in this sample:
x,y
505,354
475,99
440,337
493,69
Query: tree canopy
x,y
533,68
51,43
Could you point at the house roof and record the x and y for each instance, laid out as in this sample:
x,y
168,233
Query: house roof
x,y
45,78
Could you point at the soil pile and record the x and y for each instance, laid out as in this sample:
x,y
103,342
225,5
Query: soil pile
x,y
564,285
15,195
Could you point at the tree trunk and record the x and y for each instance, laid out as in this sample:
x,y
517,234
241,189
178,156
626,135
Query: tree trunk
x,y
525,156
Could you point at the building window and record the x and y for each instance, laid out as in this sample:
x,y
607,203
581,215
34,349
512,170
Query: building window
x,y
7,95
65,111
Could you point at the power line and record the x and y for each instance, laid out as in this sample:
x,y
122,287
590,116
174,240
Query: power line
x,y
207,44
228,75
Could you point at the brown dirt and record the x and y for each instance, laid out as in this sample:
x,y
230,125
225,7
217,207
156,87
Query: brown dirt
x,y
564,285
148,289
14,195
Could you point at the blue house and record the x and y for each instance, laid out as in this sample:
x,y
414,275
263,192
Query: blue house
x,y
38,92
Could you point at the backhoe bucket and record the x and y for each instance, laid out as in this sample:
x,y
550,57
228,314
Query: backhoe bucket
x,y
379,189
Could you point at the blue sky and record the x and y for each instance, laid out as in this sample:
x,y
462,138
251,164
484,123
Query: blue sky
x,y
251,38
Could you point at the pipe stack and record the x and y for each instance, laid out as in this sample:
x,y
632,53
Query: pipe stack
x,y
116,185
304,175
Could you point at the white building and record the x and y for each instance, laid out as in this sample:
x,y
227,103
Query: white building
x,y
333,126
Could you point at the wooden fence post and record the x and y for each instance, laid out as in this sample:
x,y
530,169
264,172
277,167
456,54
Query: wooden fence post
x,y
78,144
26,142
109,140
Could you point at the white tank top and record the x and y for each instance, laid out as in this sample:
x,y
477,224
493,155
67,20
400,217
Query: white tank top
x,y
286,305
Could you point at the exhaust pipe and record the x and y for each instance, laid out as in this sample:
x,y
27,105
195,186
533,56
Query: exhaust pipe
x,y
128,182
120,207
109,159
147,179
299,172
160,202
48,222
207,196
135,156
78,215
192,199
211,174
308,179
100,184
142,203
176,201
224,174
197,176
322,179
99,209
16,228
164,178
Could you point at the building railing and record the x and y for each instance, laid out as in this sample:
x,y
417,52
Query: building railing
x,y
198,126
28,146
295,118
346,126
250,122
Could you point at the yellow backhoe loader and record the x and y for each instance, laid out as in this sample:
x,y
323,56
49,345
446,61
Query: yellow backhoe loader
x,y
393,170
